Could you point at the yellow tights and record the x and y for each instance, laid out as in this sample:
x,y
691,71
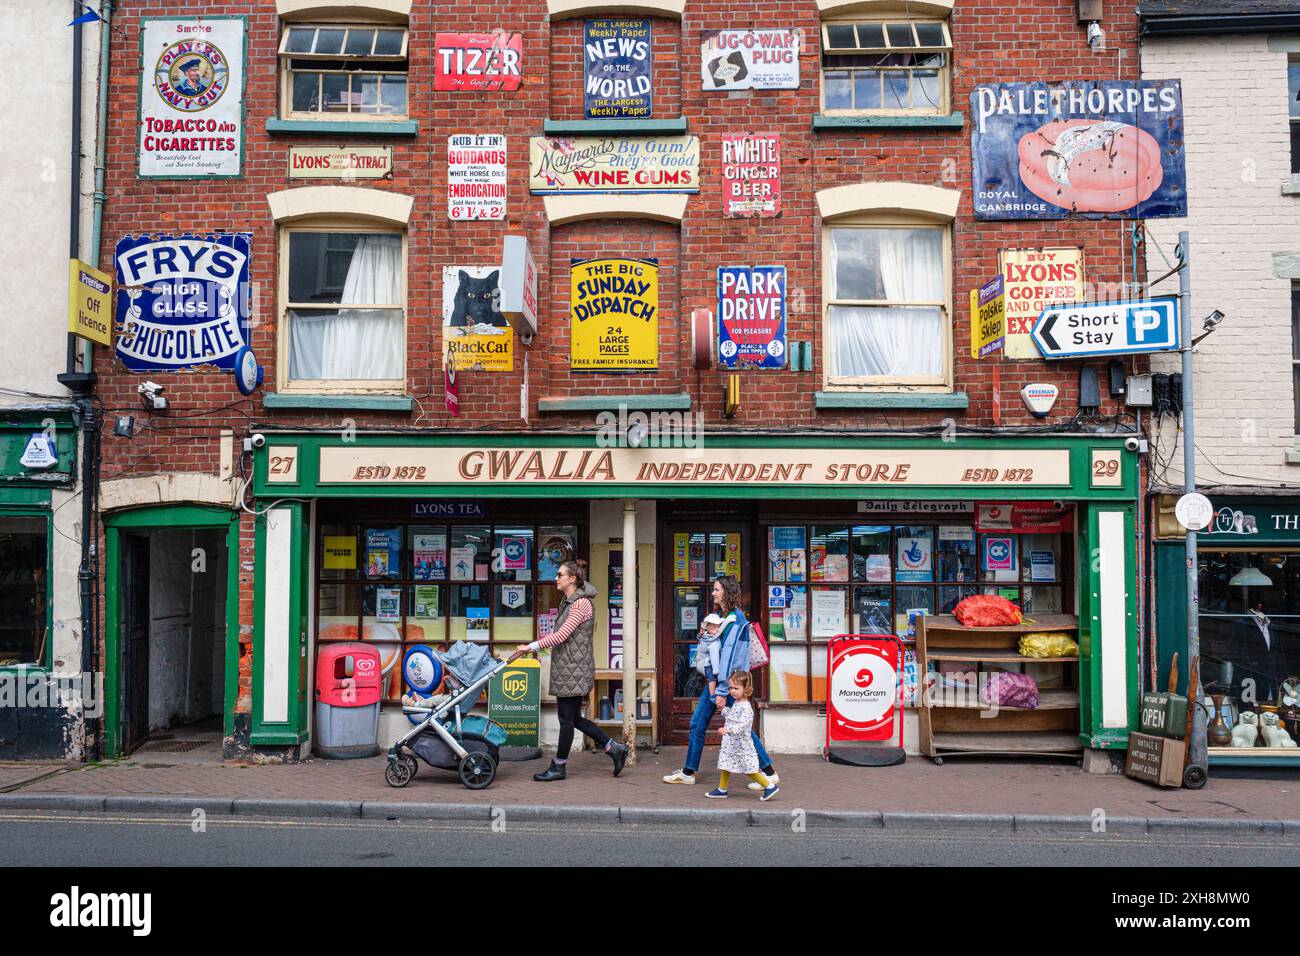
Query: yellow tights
x,y
724,778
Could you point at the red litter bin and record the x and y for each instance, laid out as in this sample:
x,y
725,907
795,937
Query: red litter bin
x,y
349,686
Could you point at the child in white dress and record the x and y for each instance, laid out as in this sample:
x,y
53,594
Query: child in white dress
x,y
737,754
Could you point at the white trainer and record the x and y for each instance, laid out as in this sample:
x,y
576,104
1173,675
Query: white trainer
x,y
678,777
755,785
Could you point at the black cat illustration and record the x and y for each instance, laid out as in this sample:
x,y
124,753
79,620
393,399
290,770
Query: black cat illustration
x,y
476,301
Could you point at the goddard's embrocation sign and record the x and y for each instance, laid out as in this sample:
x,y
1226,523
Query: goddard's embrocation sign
x,y
751,317
1098,149
751,175
617,65
595,164
749,59
480,62
476,176
191,97
614,315
182,303
1108,328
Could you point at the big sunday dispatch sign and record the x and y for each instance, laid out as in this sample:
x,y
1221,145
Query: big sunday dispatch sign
x,y
614,315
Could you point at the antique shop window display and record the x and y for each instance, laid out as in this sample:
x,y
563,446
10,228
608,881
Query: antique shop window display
x,y
1250,646
883,68
829,579
333,71
400,584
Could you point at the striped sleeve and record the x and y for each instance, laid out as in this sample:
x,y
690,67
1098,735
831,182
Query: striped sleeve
x,y
580,614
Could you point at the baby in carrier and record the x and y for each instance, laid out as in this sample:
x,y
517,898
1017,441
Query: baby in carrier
x,y
706,656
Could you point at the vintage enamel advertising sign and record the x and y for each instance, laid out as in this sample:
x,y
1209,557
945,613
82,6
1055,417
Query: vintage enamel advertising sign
x,y
751,175
614,315
751,317
599,164
1035,279
191,97
617,65
182,303
1108,149
481,62
474,331
476,176
749,59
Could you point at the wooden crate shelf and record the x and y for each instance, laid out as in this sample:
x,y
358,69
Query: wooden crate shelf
x,y
961,726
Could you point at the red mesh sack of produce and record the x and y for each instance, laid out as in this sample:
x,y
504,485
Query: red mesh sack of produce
x,y
987,610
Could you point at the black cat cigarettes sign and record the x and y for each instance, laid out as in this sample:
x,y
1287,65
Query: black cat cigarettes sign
x,y
475,333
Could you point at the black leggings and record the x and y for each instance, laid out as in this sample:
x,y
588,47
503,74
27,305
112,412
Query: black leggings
x,y
570,711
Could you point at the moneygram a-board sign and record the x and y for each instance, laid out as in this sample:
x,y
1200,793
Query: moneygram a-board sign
x,y
865,688
614,315
607,164
478,62
191,105
182,303
751,317
1098,149
476,176
749,59
617,65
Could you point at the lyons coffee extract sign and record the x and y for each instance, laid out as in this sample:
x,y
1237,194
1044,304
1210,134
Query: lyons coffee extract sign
x,y
751,317
191,98
181,303
617,69
614,315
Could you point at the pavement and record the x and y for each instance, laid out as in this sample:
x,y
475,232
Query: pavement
x,y
984,792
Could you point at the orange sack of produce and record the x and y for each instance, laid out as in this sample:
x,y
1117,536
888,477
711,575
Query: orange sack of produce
x,y
987,610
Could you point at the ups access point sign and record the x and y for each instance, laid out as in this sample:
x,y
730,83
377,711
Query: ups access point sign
x,y
1109,328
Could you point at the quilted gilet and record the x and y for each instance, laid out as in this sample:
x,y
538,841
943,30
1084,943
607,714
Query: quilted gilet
x,y
573,663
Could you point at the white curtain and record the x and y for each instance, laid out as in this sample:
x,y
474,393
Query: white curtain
x,y
355,343
878,340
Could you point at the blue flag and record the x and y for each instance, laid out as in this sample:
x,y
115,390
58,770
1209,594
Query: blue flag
x,y
90,16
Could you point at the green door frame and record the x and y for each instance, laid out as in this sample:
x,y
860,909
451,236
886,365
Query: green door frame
x,y
159,518
292,730
1089,610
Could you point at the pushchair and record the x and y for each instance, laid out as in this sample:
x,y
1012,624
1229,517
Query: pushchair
x,y
448,737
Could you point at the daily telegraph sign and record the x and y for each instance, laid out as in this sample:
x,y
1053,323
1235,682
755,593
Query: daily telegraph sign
x,y
182,303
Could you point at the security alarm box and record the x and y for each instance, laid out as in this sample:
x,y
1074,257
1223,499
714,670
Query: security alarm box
x,y
1139,391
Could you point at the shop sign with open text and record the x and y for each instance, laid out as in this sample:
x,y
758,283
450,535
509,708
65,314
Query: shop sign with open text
x,y
463,465
476,176
1099,149
751,317
1033,280
614,315
479,62
749,59
606,164
617,69
751,175
191,97
182,303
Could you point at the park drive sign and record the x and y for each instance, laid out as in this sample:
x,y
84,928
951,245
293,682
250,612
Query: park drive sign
x,y
1108,328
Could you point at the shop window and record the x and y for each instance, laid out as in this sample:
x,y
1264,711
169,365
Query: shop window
x,y
1250,633
1293,111
887,305
24,590
881,68
825,579
344,311
400,584
349,72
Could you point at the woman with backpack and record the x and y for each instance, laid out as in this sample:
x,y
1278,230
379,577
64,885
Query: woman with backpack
x,y
733,655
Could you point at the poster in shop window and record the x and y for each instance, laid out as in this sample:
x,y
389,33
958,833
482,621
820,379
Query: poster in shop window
x,y
616,60
1109,149
476,176
192,98
749,59
181,303
751,175
751,317
429,557
614,315
1033,279
475,333
478,62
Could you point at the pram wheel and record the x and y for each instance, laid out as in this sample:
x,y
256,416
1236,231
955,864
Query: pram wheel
x,y
398,773
477,770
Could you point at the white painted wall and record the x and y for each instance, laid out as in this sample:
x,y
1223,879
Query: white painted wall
x,y
1245,250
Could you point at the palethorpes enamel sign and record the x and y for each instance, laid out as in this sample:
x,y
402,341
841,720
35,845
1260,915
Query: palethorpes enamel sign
x,y
191,97
1099,149
182,303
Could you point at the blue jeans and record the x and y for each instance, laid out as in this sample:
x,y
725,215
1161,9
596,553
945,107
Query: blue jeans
x,y
705,708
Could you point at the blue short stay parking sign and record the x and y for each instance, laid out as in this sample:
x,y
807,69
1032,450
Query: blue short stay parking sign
x,y
1108,328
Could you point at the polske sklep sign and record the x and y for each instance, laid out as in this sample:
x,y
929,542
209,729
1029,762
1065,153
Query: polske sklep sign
x,y
182,303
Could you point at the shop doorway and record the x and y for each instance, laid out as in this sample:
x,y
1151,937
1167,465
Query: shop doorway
x,y
171,598
693,553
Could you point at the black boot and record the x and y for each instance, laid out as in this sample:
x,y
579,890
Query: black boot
x,y
618,753
554,772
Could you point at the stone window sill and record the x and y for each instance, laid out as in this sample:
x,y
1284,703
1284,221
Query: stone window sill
x,y
892,400
622,127
344,128
361,403
1292,186
825,121
604,403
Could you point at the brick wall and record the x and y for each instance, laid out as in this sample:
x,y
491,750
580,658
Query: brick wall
x,y
1238,158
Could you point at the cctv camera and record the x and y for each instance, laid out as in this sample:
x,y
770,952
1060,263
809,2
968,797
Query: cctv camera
x,y
1132,444
1213,319
1058,504
151,393
257,440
